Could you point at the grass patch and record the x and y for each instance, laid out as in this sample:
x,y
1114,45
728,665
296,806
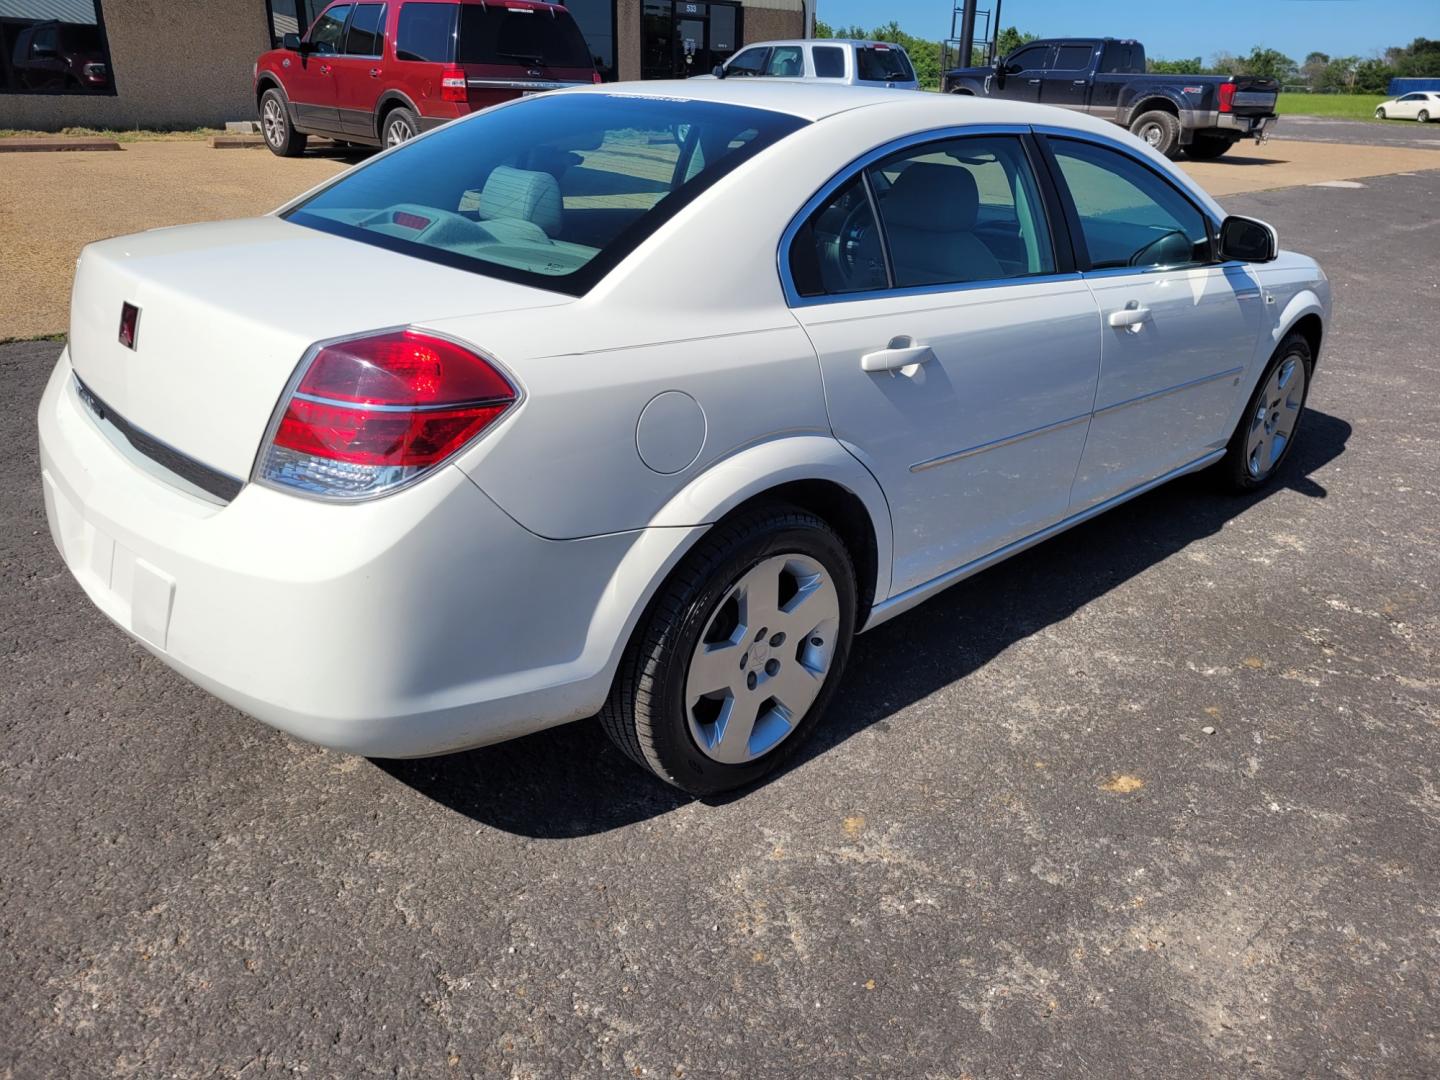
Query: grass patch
x,y
31,337
130,135
1344,106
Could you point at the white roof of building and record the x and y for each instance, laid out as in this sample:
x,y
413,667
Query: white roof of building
x,y
70,11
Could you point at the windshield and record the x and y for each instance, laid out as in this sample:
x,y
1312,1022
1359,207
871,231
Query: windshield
x,y
551,191
880,63
503,35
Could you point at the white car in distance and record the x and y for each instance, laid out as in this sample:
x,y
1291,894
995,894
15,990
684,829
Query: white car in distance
x,y
643,401
1421,105
828,60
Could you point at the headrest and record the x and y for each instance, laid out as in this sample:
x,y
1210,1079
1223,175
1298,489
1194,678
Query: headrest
x,y
522,195
934,197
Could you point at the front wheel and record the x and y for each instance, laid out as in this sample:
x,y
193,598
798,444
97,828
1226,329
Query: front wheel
x,y
1271,422
401,126
1379,114
739,653
1160,130
280,135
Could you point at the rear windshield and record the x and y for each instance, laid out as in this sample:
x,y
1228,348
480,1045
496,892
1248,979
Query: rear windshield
x,y
875,63
550,191
502,35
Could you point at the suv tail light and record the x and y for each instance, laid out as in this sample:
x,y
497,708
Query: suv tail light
x,y
452,85
1227,97
370,414
596,79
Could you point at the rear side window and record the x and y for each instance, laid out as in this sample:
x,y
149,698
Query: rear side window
x,y
1120,56
550,191
829,61
1129,217
877,63
325,35
505,35
367,30
1072,58
426,32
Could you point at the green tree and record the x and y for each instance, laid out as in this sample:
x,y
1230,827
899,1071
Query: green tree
x,y
1011,39
1372,76
1312,71
1421,58
1191,66
1268,64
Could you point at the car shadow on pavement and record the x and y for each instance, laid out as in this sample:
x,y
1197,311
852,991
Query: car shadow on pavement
x,y
570,781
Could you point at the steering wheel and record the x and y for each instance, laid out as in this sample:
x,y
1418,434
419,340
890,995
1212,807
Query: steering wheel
x,y
1140,259
852,237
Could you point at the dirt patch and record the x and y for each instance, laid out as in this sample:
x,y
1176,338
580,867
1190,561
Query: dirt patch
x,y
1284,163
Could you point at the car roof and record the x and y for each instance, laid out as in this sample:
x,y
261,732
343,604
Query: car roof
x,y
859,43
812,100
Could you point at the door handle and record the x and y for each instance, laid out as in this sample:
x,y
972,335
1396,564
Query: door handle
x,y
1034,81
902,352
1081,82
324,69
374,73
1131,316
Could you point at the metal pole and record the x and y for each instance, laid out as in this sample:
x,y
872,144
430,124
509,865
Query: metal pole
x,y
967,34
994,49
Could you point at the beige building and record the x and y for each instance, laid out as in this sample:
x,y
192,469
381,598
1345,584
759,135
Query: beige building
x,y
186,63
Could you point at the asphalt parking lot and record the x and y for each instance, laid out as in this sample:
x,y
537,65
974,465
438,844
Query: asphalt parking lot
x,y
1333,129
1014,851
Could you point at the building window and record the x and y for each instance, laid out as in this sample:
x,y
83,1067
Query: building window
x,y
54,47
292,17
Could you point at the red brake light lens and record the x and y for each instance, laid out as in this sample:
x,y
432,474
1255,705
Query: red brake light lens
x,y
452,85
1227,96
373,413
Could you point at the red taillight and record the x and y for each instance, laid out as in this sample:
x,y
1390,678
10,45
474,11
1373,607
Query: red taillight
x,y
373,413
596,79
452,85
1227,96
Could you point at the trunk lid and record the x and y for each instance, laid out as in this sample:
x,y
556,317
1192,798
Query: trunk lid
x,y
1254,95
227,310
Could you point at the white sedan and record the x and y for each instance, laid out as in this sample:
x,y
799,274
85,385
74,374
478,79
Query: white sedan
x,y
643,401
1421,106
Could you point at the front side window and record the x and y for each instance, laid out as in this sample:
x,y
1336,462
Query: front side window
x,y
1029,59
426,33
367,30
883,63
749,62
951,212
551,192
1128,215
829,61
329,29
786,62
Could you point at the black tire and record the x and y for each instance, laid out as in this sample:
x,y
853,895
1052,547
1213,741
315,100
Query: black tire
x,y
1235,470
647,716
1379,114
396,121
1160,129
1423,116
1208,147
279,133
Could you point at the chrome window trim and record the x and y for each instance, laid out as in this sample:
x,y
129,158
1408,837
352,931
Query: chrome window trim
x,y
523,84
847,172
937,290
1189,384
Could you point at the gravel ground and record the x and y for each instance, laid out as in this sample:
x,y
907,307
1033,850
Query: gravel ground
x,y
1335,130
1012,851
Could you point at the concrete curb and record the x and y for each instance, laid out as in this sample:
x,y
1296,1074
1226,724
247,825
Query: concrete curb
x,y
40,146
236,142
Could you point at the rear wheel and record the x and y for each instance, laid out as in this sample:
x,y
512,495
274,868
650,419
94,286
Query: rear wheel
x,y
1160,130
1271,421
1423,116
1208,147
401,125
739,654
280,135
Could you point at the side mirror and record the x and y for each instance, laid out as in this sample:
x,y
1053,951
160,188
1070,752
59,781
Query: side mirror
x,y
290,42
1001,70
718,71
1244,239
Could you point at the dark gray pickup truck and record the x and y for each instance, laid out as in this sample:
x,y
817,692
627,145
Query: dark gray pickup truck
x,y
1203,115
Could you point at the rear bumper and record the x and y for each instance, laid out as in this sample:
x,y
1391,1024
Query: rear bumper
x,y
416,624
1245,127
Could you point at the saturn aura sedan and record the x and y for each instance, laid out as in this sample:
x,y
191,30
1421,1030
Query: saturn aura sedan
x,y
643,401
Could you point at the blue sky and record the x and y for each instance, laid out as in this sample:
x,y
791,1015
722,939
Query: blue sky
x,y
1178,29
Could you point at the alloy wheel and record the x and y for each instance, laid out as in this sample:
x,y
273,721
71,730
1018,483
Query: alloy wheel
x,y
762,659
1276,414
272,119
396,133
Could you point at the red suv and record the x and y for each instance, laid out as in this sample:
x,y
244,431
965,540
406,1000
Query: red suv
x,y
378,74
